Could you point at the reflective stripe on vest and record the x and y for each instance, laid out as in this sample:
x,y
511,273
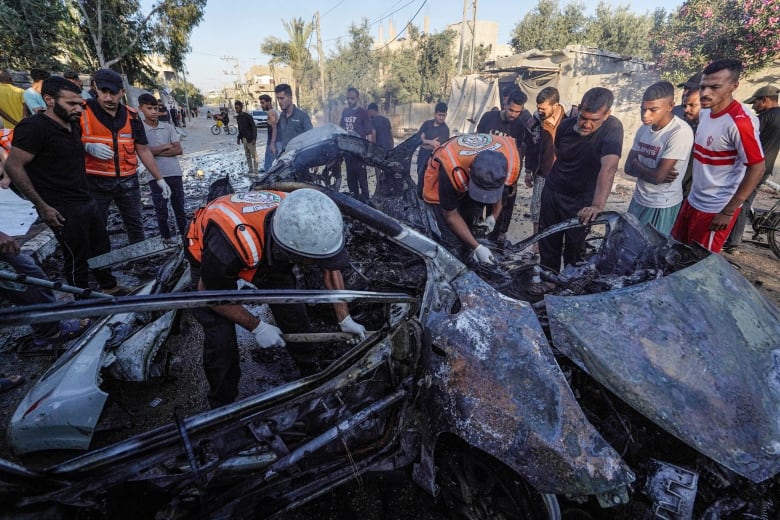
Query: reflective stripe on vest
x,y
456,156
93,131
241,217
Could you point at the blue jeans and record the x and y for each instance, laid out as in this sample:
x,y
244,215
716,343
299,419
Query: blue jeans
x,y
125,192
269,158
161,205
25,264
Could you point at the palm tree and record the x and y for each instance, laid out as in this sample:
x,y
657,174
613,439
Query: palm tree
x,y
293,53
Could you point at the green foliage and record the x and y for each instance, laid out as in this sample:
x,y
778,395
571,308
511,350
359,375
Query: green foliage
x,y
401,78
31,33
701,31
619,30
436,65
546,26
294,53
178,89
614,29
354,64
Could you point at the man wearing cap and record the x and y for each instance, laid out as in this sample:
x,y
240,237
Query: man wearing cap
x,y
114,139
764,101
465,176
46,163
728,161
588,149
259,237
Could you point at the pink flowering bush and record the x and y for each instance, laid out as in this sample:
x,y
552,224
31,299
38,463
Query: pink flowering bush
x,y
705,30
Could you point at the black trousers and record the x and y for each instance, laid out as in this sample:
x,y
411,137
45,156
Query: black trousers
x,y
83,236
357,178
555,208
508,199
220,344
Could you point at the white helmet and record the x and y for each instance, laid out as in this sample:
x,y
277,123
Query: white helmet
x,y
308,223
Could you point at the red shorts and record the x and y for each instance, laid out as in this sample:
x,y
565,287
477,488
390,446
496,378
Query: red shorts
x,y
693,226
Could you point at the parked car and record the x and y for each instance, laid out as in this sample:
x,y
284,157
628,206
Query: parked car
x,y
642,383
260,117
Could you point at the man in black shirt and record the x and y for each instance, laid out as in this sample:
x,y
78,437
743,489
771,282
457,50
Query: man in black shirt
x,y
384,137
433,133
247,135
588,149
509,121
46,163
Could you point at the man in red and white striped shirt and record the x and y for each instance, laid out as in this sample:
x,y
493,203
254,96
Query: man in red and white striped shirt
x,y
728,161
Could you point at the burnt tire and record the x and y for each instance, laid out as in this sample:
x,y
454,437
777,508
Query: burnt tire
x,y
476,486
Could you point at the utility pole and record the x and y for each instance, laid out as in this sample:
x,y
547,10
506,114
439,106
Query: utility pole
x,y
473,36
236,71
462,35
321,60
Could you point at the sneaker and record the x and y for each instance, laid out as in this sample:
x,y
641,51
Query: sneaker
x,y
731,250
117,290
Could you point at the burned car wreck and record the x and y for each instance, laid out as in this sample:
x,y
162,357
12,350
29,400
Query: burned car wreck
x,y
642,383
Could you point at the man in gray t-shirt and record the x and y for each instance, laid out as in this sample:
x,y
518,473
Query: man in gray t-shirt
x,y
165,147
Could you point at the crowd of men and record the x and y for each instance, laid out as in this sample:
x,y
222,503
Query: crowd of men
x,y
697,167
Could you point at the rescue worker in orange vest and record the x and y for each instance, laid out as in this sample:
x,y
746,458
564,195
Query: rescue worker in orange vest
x,y
259,237
466,176
114,139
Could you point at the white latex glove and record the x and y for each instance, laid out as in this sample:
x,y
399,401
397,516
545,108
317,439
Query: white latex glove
x,y
352,327
166,190
268,335
99,150
483,255
490,223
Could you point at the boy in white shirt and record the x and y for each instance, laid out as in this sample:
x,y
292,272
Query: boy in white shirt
x,y
660,154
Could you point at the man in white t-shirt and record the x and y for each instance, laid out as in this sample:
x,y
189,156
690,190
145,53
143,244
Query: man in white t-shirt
x,y
728,160
662,147
165,147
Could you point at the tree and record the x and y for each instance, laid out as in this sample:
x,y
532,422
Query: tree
x,y
355,64
547,27
193,95
118,29
619,30
704,30
293,53
30,33
435,64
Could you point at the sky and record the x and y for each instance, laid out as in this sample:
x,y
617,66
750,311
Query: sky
x,y
234,30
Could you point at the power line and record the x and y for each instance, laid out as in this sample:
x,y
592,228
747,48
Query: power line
x,y
404,29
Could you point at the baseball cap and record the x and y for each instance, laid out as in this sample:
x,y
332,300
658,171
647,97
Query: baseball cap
x,y
487,177
693,82
765,91
108,79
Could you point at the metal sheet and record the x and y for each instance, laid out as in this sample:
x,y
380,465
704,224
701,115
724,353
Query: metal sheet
x,y
497,385
697,352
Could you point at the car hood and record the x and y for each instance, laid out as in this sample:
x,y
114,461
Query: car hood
x,y
697,352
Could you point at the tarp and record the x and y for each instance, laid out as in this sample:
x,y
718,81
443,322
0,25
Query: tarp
x,y
471,97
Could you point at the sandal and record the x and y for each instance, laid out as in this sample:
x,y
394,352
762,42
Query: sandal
x,y
69,329
9,383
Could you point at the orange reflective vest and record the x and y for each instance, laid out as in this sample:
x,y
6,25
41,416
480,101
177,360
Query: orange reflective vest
x,y
6,136
125,162
241,217
456,156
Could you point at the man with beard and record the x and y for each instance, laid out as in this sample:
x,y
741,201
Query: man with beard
x,y
728,160
540,146
511,122
114,139
588,149
46,164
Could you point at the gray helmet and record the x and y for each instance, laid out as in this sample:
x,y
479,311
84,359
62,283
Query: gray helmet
x,y
308,223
